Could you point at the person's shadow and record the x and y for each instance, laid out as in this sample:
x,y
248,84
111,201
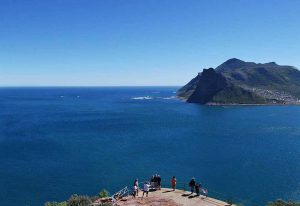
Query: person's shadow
x,y
192,196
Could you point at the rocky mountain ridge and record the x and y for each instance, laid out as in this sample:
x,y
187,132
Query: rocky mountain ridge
x,y
239,82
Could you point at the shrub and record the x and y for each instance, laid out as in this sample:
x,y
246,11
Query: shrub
x,y
56,204
79,200
104,193
280,202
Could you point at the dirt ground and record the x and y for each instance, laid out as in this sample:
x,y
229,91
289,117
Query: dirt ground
x,y
167,197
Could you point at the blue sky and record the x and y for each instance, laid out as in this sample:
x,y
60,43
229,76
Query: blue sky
x,y
139,42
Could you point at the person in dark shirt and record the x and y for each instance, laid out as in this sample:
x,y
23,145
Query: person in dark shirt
x,y
158,178
155,181
197,188
152,183
192,184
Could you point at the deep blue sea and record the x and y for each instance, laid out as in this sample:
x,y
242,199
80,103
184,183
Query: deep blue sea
x,y
55,142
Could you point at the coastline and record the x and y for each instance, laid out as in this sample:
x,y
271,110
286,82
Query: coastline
x,y
238,104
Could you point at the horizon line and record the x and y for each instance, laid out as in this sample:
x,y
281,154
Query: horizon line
x,y
14,86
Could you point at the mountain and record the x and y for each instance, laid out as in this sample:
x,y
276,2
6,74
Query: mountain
x,y
239,82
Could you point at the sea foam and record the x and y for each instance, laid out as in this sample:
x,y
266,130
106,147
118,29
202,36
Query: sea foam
x,y
142,98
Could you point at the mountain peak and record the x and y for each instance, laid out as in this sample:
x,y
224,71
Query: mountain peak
x,y
272,64
233,63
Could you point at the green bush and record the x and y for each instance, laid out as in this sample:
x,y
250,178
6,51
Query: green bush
x,y
79,200
56,204
104,193
280,202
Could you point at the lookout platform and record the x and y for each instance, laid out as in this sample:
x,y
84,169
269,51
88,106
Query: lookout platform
x,y
168,197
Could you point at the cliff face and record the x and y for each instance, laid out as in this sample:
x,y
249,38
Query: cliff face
x,y
239,82
208,85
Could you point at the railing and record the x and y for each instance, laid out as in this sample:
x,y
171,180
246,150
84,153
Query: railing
x,y
115,197
122,193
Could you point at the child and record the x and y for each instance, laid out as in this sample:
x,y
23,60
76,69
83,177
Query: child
x,y
205,192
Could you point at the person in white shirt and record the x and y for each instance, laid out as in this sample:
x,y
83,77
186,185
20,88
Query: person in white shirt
x,y
135,188
146,188
136,183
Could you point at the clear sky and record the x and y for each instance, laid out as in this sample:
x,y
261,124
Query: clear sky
x,y
139,42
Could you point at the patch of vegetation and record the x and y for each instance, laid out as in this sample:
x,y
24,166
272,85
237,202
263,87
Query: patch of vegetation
x,y
281,202
103,193
79,200
56,204
237,95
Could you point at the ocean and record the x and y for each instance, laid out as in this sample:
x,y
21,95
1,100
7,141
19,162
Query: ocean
x,y
59,141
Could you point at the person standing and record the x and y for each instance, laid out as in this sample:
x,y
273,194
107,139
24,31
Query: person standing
x,y
205,192
197,188
152,181
192,185
155,181
158,178
146,189
174,182
135,188
136,183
